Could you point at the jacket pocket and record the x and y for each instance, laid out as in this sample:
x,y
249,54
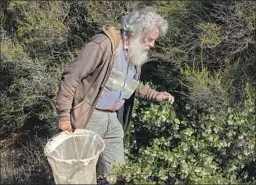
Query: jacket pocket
x,y
78,105
79,115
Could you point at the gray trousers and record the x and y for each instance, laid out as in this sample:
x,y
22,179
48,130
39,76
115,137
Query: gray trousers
x,y
110,129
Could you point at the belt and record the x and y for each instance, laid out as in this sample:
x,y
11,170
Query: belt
x,y
104,110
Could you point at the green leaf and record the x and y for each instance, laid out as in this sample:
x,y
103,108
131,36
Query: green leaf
x,y
177,121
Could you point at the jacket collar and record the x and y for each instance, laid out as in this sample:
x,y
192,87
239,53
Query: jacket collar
x,y
114,35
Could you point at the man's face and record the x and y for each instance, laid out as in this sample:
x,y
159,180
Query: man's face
x,y
148,41
139,46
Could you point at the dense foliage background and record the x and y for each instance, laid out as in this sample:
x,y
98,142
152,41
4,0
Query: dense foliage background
x,y
207,61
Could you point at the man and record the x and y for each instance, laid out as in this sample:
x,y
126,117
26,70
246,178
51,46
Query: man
x,y
97,91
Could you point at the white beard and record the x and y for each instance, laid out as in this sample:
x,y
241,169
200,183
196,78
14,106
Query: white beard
x,y
138,55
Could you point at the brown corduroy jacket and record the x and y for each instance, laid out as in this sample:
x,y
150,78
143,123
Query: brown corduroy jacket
x,y
82,82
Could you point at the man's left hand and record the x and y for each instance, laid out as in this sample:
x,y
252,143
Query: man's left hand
x,y
161,96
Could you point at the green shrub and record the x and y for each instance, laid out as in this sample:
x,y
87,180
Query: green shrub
x,y
175,150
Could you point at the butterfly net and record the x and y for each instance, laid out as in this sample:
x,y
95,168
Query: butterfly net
x,y
73,156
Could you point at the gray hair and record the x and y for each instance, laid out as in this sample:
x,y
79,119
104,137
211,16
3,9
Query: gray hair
x,y
143,21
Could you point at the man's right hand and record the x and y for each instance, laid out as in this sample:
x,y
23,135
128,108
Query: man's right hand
x,y
65,125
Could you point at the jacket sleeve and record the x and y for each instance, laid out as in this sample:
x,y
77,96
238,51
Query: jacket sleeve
x,y
146,92
89,58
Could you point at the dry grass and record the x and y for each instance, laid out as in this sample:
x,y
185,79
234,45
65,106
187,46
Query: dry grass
x,y
23,160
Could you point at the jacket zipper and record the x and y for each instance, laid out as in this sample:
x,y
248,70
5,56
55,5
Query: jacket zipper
x,y
103,83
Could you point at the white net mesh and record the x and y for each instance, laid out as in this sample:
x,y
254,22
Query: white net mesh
x,y
73,156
